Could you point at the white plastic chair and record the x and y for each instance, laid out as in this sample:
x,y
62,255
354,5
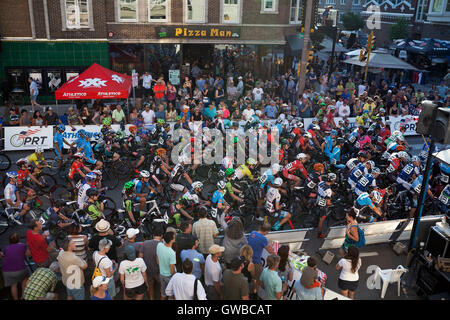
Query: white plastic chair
x,y
389,276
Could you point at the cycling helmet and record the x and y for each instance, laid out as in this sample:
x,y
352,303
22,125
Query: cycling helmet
x,y
403,154
372,164
301,156
300,124
316,127
251,161
78,155
376,170
197,185
376,196
81,133
61,127
106,121
129,185
333,132
278,182
177,118
60,203
276,168
132,128
91,176
400,138
229,172
331,177
92,192
161,121
221,185
362,154
308,135
12,174
415,159
39,150
161,151
318,167
144,174
97,172
340,140
20,162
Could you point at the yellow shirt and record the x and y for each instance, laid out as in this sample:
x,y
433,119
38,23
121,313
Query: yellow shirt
x,y
34,158
370,107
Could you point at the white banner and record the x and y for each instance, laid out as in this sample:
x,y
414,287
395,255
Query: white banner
x,y
28,138
410,123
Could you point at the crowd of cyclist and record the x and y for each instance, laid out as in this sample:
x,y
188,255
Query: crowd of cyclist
x,y
365,165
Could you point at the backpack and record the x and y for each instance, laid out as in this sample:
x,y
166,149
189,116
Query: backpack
x,y
97,271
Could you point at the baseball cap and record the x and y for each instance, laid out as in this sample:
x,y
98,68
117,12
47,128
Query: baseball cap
x,y
308,276
132,232
98,281
216,249
236,262
130,252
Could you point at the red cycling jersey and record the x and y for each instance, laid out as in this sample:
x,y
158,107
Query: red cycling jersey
x,y
394,165
22,175
292,167
75,168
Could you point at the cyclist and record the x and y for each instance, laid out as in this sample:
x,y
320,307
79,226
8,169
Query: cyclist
x,y
265,180
335,155
177,172
408,174
78,170
397,161
353,162
128,196
444,198
314,178
33,161
94,207
367,181
54,217
133,147
327,145
218,202
89,183
360,170
324,194
194,192
159,170
11,193
414,193
231,190
143,190
89,154
58,143
177,209
24,174
273,207
106,145
291,168
366,201
245,170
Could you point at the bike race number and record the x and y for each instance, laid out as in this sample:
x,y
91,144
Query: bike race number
x,y
28,138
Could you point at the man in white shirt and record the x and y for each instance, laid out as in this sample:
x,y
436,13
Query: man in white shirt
x,y
361,88
344,109
257,93
148,115
147,80
213,273
181,285
248,113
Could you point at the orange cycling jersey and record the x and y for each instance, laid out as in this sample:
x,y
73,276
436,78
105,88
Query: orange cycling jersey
x,y
22,175
75,168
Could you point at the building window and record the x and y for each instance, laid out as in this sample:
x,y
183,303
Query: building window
x,y
328,2
437,6
356,2
340,14
448,6
158,10
343,2
296,11
231,11
421,6
195,11
269,6
77,14
128,10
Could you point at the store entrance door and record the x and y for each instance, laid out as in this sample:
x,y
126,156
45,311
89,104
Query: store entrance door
x,y
201,54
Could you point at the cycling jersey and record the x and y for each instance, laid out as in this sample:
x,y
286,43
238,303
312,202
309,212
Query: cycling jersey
x,y
229,187
242,171
445,196
364,182
58,141
33,158
273,196
82,198
141,186
53,218
353,136
217,199
361,143
364,200
155,164
10,192
313,180
351,164
396,134
87,150
22,175
292,167
80,142
75,168
393,146
191,196
176,173
416,185
445,172
324,193
357,173
94,211
335,157
328,145
408,171
394,163
382,135
266,178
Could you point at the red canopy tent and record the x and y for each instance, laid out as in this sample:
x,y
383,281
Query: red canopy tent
x,y
96,82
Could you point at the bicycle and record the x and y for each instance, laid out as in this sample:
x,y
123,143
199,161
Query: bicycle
x,y
5,161
7,218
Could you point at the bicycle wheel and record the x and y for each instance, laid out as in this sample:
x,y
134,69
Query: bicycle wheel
x,y
53,168
4,223
48,181
110,178
121,168
5,162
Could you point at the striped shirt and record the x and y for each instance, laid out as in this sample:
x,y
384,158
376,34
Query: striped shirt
x,y
42,281
80,246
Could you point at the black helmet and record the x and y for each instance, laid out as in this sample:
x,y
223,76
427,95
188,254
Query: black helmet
x,y
60,203
92,192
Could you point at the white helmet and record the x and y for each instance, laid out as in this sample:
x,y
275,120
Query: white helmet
x,y
276,168
376,170
308,135
38,150
376,196
251,161
221,185
301,156
197,185
372,164
278,182
316,127
97,172
415,159
403,154
144,174
78,155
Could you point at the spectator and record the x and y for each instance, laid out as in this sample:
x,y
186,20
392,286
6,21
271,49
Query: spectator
x,y
213,273
34,92
130,239
133,275
160,114
37,119
13,118
51,118
308,288
170,113
24,119
148,115
42,284
71,268
196,116
248,113
344,109
271,110
198,260
285,269
219,95
147,80
182,286
205,230
361,88
148,252
166,259
99,288
235,285
39,249
442,90
233,240
184,239
13,267
240,87
249,269
258,241
171,93
85,115
159,90
257,92
118,115
349,278
104,231
106,266
270,281
73,118
80,240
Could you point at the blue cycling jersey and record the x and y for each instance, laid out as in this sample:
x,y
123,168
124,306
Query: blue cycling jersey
x,y
358,172
328,145
365,181
445,168
217,198
353,136
140,186
58,138
363,200
445,196
80,142
87,150
408,171
266,178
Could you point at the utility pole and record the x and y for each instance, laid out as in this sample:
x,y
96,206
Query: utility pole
x,y
370,43
306,46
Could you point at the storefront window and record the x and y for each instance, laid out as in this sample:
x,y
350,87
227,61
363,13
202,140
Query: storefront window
x,y
158,10
269,5
231,11
437,6
128,10
195,11
448,6
77,14
296,10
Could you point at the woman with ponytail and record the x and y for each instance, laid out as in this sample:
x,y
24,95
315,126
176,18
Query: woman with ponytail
x,y
349,277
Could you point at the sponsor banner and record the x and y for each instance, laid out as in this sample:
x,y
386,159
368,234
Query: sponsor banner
x,y
410,123
28,138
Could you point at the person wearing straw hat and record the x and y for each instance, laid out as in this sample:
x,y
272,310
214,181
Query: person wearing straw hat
x,y
104,232
213,273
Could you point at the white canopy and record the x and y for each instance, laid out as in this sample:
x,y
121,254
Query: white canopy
x,y
382,60
327,43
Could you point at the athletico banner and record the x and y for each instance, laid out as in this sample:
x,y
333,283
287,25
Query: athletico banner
x,y
28,138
